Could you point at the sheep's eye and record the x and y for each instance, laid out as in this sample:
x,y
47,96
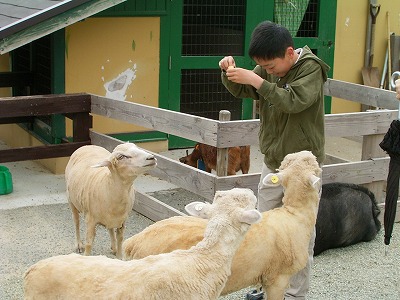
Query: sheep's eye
x,y
121,156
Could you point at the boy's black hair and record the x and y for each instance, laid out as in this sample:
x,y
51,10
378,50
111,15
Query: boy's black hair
x,y
269,41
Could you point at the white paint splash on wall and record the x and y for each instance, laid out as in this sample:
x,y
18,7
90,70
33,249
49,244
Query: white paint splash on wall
x,y
116,88
347,22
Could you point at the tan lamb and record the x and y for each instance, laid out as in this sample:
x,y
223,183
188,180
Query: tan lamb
x,y
272,251
198,273
100,186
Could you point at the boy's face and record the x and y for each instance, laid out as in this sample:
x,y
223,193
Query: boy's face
x,y
278,66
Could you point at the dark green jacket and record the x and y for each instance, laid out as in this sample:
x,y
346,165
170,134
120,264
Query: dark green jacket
x,y
291,109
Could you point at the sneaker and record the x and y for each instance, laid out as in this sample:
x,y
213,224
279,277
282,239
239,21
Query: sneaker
x,y
255,295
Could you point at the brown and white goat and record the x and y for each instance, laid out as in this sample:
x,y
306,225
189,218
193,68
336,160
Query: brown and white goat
x,y
238,158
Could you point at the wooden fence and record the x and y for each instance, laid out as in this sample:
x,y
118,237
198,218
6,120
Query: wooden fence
x,y
371,170
24,109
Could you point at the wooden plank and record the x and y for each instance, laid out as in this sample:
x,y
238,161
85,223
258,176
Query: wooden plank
x,y
104,140
249,181
238,133
82,122
187,126
152,208
356,172
43,105
232,133
358,124
191,179
39,152
362,94
352,172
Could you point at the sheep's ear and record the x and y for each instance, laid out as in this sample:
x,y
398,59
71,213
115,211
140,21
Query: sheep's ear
x,y
104,163
250,216
314,181
272,179
199,209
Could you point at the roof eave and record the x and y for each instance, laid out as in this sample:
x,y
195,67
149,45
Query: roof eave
x,y
50,24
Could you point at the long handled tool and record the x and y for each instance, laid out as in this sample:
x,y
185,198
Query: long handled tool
x,y
371,74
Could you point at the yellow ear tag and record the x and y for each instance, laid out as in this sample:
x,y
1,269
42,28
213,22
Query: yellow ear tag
x,y
274,179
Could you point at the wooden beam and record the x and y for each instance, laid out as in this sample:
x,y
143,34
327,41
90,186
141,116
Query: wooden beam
x,y
358,124
191,127
362,94
43,105
357,172
82,122
152,208
39,152
222,153
239,133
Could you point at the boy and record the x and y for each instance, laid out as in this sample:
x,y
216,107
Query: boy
x,y
288,83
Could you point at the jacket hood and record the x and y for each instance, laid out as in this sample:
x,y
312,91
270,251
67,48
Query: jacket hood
x,y
307,54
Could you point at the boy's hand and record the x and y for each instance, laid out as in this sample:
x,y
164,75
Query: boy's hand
x,y
243,76
397,83
227,62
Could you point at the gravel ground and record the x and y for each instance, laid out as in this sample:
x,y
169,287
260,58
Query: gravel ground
x,y
36,223
29,234
357,272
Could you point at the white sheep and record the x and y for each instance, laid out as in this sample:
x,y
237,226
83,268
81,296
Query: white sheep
x,y
272,251
100,185
198,273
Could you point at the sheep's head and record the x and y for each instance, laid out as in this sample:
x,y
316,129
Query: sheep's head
x,y
129,160
237,203
298,172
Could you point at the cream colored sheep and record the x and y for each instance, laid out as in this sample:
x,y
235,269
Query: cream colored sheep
x,y
272,251
100,185
198,273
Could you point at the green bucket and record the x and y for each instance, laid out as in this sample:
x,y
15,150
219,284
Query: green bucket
x,y
6,185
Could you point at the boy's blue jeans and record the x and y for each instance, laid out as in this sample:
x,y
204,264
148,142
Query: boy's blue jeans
x,y
270,198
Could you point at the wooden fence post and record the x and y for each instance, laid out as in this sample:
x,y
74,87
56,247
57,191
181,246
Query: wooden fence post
x,y
222,153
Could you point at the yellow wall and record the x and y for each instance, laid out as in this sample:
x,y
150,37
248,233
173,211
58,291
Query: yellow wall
x,y
106,55
5,67
351,32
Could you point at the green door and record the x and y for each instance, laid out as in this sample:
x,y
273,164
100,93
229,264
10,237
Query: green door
x,y
195,35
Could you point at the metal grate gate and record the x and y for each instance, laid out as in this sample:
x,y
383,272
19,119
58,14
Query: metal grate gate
x,y
217,28
299,17
210,28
